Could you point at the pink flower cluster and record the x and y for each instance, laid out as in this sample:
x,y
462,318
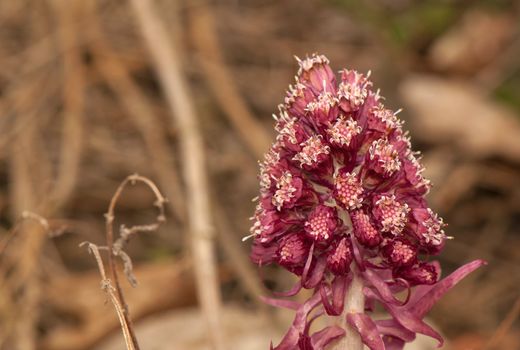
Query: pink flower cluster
x,y
342,193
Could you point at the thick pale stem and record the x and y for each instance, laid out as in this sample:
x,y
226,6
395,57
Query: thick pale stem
x,y
354,302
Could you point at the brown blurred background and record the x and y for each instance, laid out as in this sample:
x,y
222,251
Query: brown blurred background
x,y
88,97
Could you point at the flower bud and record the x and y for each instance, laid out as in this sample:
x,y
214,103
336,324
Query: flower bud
x,y
353,90
340,257
364,230
422,273
390,214
316,74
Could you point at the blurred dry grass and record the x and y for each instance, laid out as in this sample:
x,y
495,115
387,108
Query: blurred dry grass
x,y
82,106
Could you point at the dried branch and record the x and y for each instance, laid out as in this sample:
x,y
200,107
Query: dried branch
x,y
504,326
25,163
73,100
106,286
116,248
167,63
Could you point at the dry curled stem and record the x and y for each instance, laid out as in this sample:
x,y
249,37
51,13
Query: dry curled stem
x,y
125,233
116,248
106,286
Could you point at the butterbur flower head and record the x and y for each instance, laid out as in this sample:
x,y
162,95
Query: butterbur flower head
x,y
290,132
412,173
400,252
353,90
383,158
429,227
348,191
342,198
316,74
288,190
342,132
421,273
293,251
390,213
323,109
383,120
314,151
321,223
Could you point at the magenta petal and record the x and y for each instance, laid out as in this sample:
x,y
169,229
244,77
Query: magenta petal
x,y
358,255
406,318
308,264
324,291
381,286
367,328
436,291
304,342
394,329
290,340
339,289
316,274
393,343
411,322
322,338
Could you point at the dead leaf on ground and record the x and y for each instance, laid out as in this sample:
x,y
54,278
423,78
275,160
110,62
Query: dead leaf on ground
x,y
476,40
162,285
452,112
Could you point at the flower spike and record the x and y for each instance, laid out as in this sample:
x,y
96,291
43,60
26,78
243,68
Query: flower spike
x,y
342,205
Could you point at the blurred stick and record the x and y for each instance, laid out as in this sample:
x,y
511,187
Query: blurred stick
x,y
73,97
26,286
504,326
106,286
158,291
115,248
31,177
140,111
220,80
168,66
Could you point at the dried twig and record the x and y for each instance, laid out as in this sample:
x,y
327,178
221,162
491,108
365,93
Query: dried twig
x,y
504,326
26,157
116,248
73,100
158,291
168,66
106,286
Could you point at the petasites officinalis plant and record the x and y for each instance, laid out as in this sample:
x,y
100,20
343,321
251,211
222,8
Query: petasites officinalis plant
x,y
342,205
